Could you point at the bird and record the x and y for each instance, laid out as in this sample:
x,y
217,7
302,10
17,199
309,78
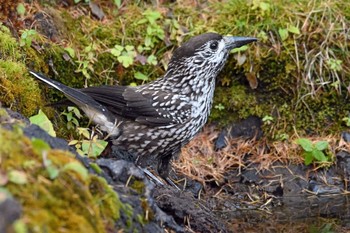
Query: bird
x,y
155,120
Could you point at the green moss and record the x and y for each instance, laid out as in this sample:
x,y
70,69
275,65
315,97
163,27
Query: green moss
x,y
20,92
67,203
8,44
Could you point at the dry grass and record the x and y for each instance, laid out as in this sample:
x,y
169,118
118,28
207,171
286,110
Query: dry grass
x,y
201,162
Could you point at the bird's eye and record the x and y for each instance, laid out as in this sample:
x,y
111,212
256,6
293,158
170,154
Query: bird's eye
x,y
214,45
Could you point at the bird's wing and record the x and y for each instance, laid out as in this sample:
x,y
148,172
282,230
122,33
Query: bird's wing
x,y
155,108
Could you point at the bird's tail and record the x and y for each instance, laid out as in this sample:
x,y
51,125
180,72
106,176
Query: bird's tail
x,y
93,109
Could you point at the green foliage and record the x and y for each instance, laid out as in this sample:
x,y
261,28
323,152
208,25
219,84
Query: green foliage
x,y
314,152
267,119
154,32
125,55
220,107
21,10
88,144
86,60
27,37
19,226
141,76
347,121
298,62
72,115
43,122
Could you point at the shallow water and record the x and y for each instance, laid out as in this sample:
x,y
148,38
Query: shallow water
x,y
295,214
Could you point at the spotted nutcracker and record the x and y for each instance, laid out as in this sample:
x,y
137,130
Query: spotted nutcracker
x,y
156,119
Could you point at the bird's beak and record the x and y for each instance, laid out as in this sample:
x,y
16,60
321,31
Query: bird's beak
x,y
236,41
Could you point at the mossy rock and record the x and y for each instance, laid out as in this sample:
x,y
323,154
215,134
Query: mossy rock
x,y
55,190
17,89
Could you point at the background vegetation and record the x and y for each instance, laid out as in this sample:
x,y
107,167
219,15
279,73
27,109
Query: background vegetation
x,y
297,75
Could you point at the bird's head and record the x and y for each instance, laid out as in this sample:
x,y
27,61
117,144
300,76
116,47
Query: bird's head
x,y
207,51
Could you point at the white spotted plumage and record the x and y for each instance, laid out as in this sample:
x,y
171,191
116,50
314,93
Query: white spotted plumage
x,y
156,119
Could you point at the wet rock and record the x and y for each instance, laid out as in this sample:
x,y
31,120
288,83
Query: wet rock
x,y
248,128
189,210
343,163
323,189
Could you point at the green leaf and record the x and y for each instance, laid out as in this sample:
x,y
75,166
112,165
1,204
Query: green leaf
x,y
118,3
43,122
294,30
70,51
93,148
52,171
21,10
129,48
126,60
152,16
78,168
283,34
84,131
321,145
115,52
305,143
240,49
19,226
17,177
140,76
152,60
39,145
308,158
319,156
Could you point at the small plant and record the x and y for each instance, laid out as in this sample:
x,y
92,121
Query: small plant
x,y
347,121
281,137
86,60
72,115
27,37
334,64
141,76
124,54
89,145
21,10
219,107
267,119
314,151
154,32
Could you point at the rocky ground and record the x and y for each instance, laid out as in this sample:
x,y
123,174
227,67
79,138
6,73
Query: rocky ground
x,y
283,198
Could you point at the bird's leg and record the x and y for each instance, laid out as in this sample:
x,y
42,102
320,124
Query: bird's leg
x,y
153,177
163,168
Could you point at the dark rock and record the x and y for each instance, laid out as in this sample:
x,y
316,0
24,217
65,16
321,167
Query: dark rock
x,y
121,171
220,142
248,128
183,206
10,211
346,136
